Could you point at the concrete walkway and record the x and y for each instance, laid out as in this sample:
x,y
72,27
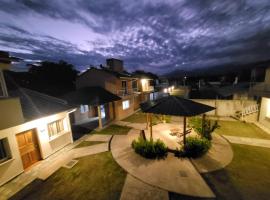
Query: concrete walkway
x,y
47,167
135,189
171,174
218,157
248,141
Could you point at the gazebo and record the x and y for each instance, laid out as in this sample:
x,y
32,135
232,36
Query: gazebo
x,y
176,106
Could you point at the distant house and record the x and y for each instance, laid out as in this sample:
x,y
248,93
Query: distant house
x,y
113,78
261,91
33,126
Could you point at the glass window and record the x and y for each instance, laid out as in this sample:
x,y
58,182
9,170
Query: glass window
x,y
84,108
4,150
56,128
125,104
124,84
134,84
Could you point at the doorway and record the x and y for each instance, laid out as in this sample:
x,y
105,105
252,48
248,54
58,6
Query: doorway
x,y
28,147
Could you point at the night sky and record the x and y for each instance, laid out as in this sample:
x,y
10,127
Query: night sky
x,y
158,35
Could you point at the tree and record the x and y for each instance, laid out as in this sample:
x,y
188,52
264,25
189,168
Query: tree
x,y
53,78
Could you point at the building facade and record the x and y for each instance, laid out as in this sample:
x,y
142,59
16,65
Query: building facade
x,y
33,126
113,78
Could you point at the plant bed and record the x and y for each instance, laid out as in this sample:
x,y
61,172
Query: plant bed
x,y
194,147
150,148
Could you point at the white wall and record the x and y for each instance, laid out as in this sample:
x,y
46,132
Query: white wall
x,y
264,117
225,108
47,147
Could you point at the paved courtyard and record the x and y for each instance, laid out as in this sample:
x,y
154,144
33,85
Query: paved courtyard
x,y
171,174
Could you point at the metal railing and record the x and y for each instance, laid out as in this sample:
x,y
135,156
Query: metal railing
x,y
247,111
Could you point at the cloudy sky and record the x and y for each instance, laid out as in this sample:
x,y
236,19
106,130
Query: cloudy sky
x,y
154,35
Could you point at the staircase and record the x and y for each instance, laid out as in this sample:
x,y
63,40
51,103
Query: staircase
x,y
240,115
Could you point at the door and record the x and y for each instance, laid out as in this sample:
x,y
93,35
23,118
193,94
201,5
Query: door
x,y
28,147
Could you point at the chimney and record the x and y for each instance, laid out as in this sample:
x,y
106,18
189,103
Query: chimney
x,y
115,64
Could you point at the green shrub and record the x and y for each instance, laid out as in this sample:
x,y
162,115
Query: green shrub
x,y
149,148
194,147
209,127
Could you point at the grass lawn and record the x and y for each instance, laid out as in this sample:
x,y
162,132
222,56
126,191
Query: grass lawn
x,y
247,177
93,177
241,129
113,130
178,92
140,117
87,143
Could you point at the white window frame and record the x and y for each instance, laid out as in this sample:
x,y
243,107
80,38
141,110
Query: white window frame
x,y
126,104
84,108
4,150
56,128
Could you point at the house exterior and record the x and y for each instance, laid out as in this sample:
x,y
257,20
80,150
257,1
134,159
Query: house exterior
x,y
261,92
116,80
94,106
33,126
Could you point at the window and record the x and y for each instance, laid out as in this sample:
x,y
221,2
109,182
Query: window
x,y
4,150
84,108
125,104
134,85
124,84
56,128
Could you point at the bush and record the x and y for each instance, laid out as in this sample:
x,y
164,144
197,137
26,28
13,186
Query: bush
x,y
209,127
149,148
194,147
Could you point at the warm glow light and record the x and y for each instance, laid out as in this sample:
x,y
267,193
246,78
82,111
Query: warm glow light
x,y
143,81
172,87
165,90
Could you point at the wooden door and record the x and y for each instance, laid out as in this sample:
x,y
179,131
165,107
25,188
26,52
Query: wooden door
x,y
28,147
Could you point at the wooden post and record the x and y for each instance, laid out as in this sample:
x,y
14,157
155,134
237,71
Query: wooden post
x,y
203,124
151,129
99,118
147,121
184,130
163,119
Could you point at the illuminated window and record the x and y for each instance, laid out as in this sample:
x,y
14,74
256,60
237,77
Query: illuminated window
x,y
125,104
56,128
84,108
4,150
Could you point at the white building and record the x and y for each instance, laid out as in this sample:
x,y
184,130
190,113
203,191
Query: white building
x,y
33,126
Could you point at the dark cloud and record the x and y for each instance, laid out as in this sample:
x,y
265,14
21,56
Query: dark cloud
x,y
158,35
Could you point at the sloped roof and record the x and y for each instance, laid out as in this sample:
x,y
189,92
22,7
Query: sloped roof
x,y
37,105
177,106
232,89
123,74
90,96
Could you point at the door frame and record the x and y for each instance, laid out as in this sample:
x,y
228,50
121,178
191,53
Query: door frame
x,y
34,132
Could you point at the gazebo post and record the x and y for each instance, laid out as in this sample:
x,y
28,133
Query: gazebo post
x,y
203,124
147,121
151,129
184,130
99,118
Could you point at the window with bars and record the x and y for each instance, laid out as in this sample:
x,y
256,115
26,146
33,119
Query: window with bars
x,y
56,128
4,150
